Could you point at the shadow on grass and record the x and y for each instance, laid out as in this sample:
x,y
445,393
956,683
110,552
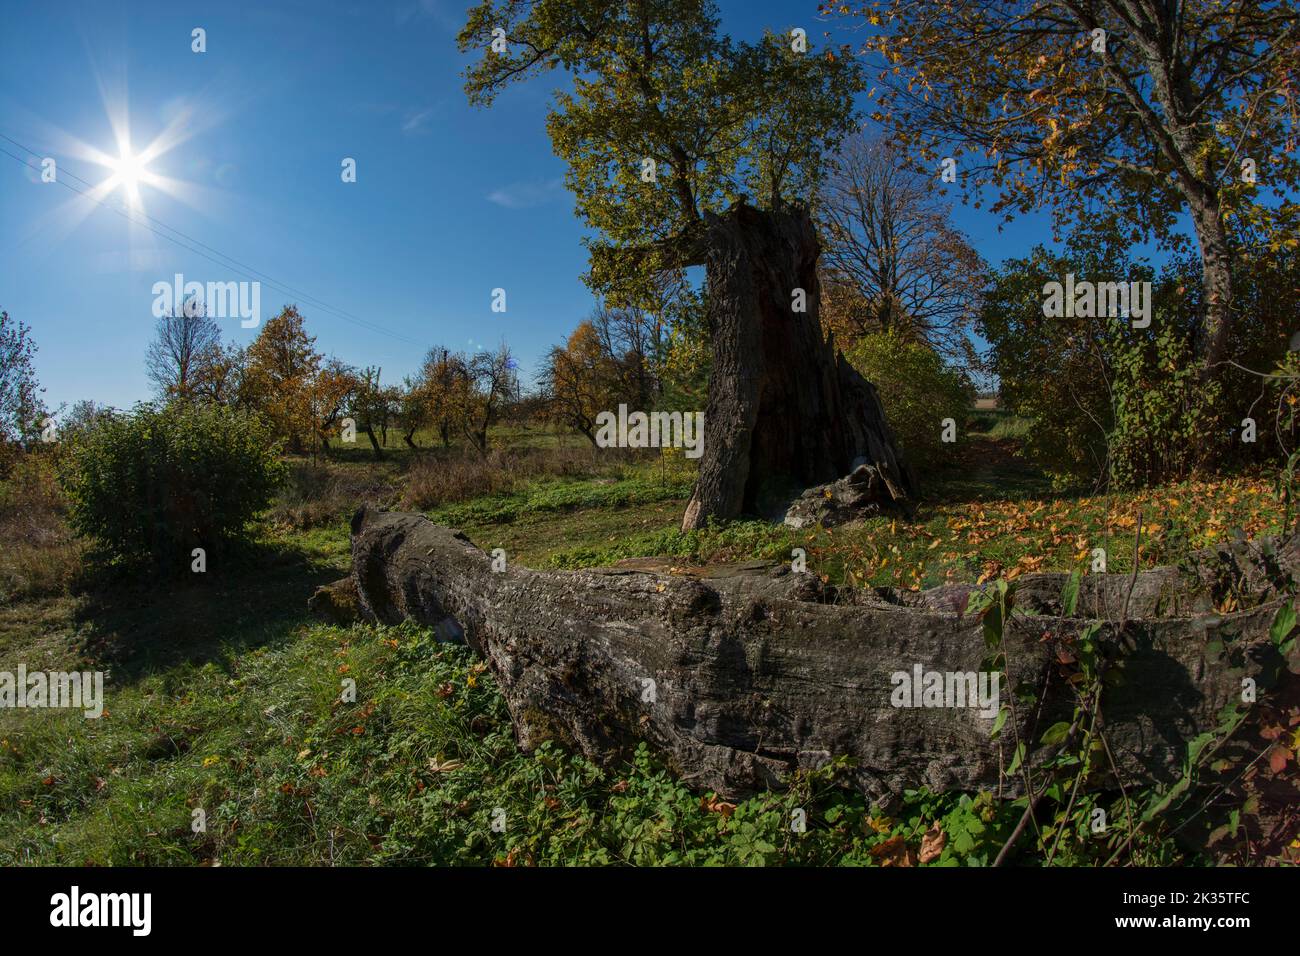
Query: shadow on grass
x,y
989,469
254,595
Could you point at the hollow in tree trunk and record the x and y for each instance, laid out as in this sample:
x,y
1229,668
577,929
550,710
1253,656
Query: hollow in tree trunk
x,y
785,410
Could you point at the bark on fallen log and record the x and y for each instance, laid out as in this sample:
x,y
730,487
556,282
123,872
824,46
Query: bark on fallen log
x,y
742,674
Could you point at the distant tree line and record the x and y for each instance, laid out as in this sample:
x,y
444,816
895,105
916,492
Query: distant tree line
x,y
309,399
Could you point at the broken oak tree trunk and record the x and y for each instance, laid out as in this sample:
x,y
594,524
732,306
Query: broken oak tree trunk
x,y
785,410
741,675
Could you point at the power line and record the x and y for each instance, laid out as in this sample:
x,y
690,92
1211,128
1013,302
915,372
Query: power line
x,y
237,265
311,300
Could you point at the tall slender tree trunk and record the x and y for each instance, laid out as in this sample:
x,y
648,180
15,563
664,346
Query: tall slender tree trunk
x,y
785,410
1216,272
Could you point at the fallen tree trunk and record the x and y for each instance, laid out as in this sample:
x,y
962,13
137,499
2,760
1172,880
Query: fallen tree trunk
x,y
742,674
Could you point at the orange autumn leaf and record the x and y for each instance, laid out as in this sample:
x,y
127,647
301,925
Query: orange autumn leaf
x,y
894,852
932,843
1277,758
715,805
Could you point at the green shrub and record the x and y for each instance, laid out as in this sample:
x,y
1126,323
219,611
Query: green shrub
x,y
159,482
1162,412
918,391
1110,403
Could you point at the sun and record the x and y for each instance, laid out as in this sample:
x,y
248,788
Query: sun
x,y
128,170
136,173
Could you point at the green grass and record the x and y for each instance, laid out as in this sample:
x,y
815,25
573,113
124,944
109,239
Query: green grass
x,y
396,451
224,696
414,772
953,541
635,486
998,424
992,513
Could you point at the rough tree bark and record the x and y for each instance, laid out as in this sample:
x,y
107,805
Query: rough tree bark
x,y
1216,272
785,410
741,675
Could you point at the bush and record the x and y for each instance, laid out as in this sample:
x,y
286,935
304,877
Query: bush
x,y
1161,411
918,391
39,555
159,482
1113,404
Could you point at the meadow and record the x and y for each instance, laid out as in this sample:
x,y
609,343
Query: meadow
x,y
224,740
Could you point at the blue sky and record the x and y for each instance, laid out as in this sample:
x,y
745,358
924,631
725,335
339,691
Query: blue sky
x,y
450,202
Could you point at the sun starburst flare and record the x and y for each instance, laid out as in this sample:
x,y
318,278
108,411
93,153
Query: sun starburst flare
x,y
128,173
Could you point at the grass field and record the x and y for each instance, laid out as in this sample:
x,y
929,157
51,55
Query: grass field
x,y
223,699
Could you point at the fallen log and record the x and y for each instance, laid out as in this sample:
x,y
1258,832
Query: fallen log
x,y
741,674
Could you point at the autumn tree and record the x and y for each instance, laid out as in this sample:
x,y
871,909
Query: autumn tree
x,y
222,374
687,148
487,382
281,368
370,407
580,380
21,408
414,409
893,258
1141,109
846,313
633,339
186,345
331,392
440,394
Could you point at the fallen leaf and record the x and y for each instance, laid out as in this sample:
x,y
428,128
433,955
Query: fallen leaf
x,y
932,843
1277,758
894,852
714,805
